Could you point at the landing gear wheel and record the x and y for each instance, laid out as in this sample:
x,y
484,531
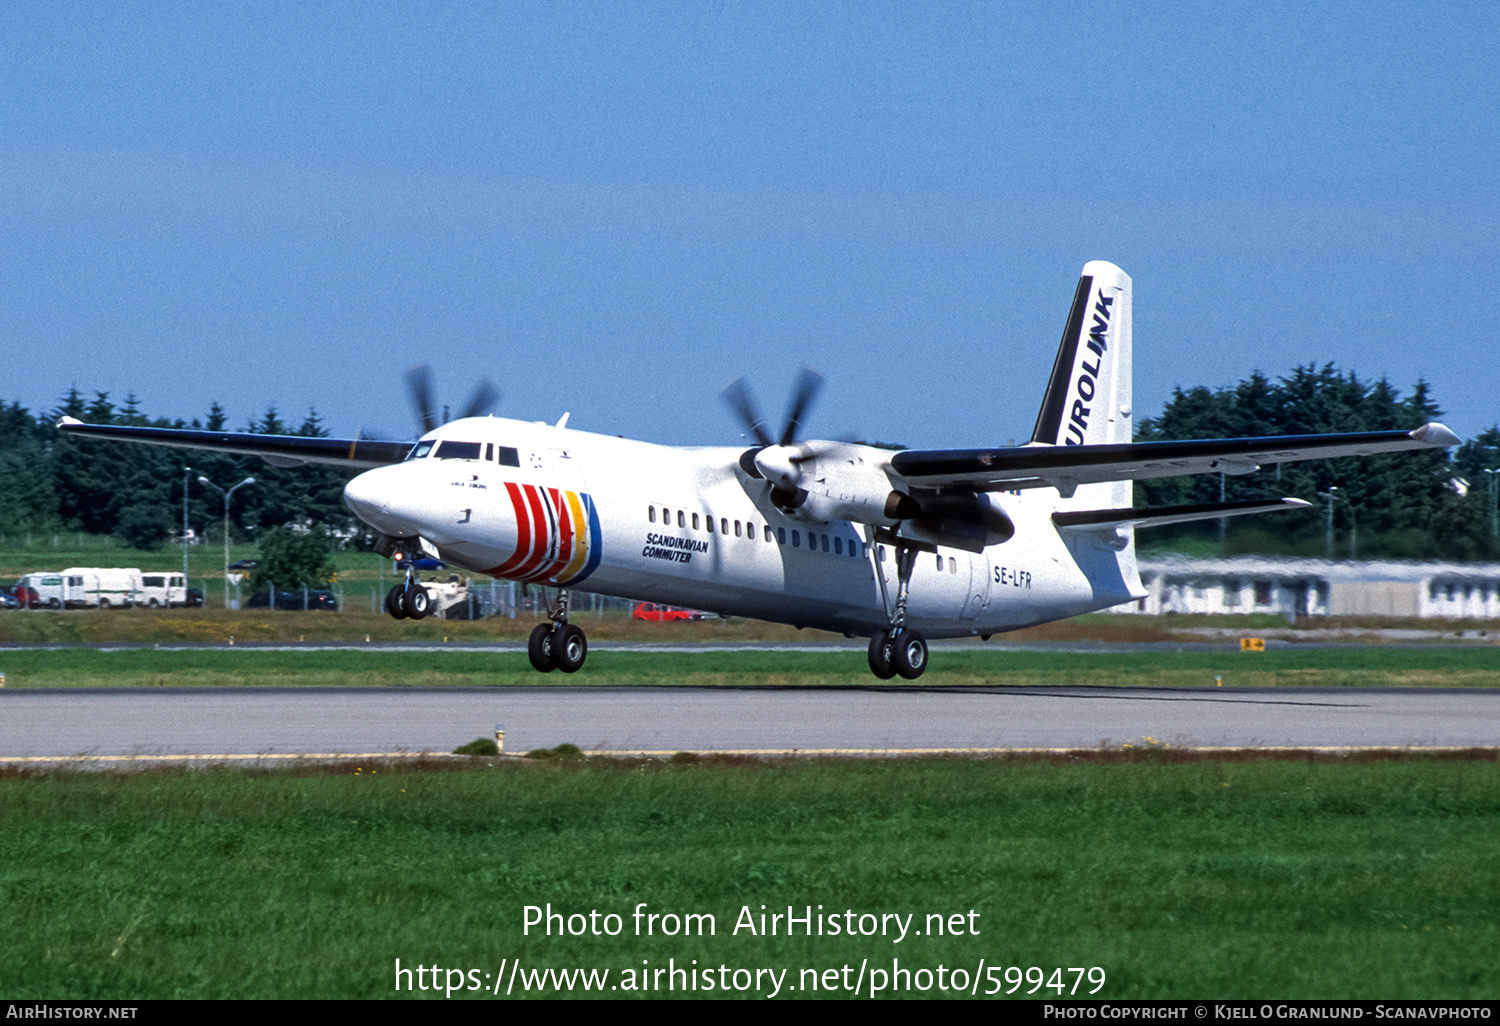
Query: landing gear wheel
x,y
909,654
880,656
393,604
416,602
569,647
541,649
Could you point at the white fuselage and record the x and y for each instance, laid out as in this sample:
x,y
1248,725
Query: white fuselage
x,y
689,527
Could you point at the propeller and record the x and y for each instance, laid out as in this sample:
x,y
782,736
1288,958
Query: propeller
x,y
482,400
737,396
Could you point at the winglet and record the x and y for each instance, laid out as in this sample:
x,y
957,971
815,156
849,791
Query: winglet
x,y
68,421
1435,434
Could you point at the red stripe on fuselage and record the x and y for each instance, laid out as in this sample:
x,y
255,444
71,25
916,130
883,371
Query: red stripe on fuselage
x,y
523,534
545,531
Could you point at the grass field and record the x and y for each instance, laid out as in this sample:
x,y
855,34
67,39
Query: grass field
x,y
240,667
1253,879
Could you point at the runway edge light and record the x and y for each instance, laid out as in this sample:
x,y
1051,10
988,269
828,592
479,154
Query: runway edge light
x,y
499,735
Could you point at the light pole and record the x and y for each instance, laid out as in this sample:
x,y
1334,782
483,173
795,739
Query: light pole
x,y
186,482
1494,502
247,481
1328,543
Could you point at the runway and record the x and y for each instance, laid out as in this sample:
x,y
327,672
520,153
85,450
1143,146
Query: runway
x,y
47,724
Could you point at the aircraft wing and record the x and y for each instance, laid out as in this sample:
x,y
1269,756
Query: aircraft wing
x,y
277,450
1067,466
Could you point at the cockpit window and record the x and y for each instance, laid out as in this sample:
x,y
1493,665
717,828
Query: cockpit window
x,y
509,457
451,450
419,450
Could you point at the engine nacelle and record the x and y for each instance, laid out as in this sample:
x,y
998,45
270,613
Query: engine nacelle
x,y
824,481
962,520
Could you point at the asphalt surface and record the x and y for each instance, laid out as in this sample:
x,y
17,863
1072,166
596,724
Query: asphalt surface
x,y
153,722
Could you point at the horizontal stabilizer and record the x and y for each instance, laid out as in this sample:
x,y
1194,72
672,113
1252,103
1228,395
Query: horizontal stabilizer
x,y
1160,516
277,450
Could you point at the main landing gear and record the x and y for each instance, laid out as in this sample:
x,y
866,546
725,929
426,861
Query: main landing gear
x,y
558,645
899,649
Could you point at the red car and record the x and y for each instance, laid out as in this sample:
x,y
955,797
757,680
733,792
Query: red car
x,y
23,596
653,611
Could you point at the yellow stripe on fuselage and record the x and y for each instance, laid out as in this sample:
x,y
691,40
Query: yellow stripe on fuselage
x,y
580,538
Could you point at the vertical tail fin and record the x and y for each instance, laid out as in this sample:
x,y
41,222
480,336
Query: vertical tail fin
x,y
1088,399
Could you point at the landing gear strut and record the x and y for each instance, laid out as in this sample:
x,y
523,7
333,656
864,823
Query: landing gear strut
x,y
558,645
899,649
409,599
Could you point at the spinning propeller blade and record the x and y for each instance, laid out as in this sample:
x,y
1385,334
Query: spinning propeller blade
x,y
809,384
419,384
482,400
737,395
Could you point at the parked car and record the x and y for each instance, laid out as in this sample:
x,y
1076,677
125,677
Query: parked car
x,y
8,599
316,599
244,564
656,611
30,597
194,598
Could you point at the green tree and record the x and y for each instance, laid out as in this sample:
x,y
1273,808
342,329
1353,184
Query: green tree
x,y
293,559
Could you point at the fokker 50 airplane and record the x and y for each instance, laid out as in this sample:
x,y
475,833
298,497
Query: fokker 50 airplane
x,y
897,546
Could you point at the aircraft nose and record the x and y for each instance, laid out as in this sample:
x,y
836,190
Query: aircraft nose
x,y
365,496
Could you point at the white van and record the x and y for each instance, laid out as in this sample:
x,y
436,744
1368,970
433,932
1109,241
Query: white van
x,y
101,587
51,588
161,588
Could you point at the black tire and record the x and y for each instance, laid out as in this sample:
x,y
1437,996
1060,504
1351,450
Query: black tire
x,y
570,648
909,654
103,602
393,603
539,649
416,602
154,604
54,603
880,656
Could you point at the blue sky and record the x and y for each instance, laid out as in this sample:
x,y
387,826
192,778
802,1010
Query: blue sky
x,y
615,209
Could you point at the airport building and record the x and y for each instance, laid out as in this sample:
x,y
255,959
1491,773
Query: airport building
x,y
1318,587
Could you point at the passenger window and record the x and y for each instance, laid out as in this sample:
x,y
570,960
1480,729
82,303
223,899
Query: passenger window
x,y
695,521
952,566
838,546
651,513
780,535
768,532
823,544
708,522
796,539
940,564
681,520
737,529
724,526
509,457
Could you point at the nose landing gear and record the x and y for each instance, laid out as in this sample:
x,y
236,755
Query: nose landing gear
x,y
409,599
558,645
